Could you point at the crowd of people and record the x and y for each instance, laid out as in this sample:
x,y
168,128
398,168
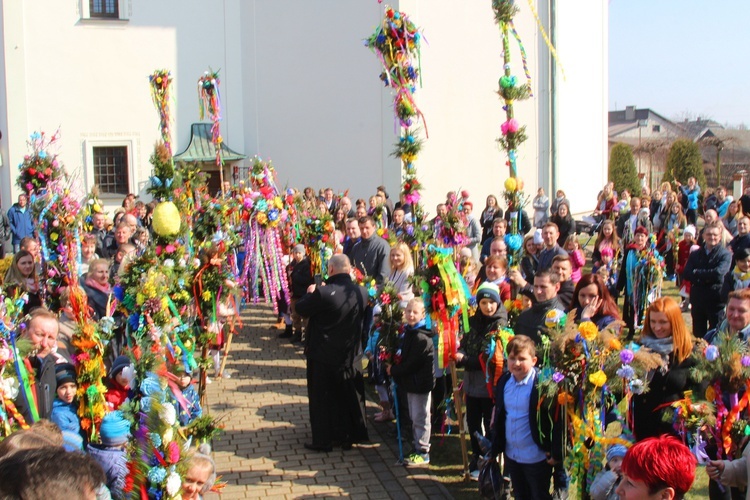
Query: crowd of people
x,y
54,456
675,233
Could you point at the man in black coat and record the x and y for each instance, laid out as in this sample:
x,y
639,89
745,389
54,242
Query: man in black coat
x,y
336,311
705,270
41,330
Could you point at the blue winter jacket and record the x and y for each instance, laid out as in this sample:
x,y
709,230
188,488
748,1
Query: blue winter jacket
x,y
114,462
64,416
21,223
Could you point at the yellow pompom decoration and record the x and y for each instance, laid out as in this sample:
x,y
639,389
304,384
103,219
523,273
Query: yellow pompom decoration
x,y
588,331
510,184
166,220
598,378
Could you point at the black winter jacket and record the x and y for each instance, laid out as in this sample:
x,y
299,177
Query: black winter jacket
x,y
531,321
524,224
415,372
300,277
336,313
46,387
664,388
706,272
473,344
565,294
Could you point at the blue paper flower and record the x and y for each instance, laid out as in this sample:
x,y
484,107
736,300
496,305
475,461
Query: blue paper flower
x,y
133,321
514,241
626,372
155,439
146,404
712,353
155,493
150,385
157,474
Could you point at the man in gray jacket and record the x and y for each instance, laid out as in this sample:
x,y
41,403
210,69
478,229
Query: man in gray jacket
x,y
371,253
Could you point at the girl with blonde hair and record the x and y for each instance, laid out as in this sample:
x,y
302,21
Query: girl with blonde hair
x,y
22,277
402,269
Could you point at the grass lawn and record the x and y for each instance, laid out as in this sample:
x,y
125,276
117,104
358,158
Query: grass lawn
x,y
445,455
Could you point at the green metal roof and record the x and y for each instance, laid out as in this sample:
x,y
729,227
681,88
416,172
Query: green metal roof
x,y
201,147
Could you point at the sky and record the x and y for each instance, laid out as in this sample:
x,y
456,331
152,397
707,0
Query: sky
x,y
681,58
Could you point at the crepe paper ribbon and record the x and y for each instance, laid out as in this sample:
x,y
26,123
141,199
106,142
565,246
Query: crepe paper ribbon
x,y
737,406
28,389
547,41
188,359
41,223
210,104
485,367
161,81
263,265
177,392
13,412
524,59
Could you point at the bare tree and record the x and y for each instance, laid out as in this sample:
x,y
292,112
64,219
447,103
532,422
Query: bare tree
x,y
719,144
653,147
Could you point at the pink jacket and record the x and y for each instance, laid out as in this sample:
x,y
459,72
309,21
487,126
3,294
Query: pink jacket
x,y
577,261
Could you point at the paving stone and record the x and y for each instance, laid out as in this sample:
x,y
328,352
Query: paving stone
x,y
261,453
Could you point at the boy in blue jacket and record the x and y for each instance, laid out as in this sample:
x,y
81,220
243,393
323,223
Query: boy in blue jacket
x,y
524,426
64,409
413,372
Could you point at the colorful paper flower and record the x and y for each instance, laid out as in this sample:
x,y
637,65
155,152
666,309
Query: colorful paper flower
x,y
588,331
598,378
626,356
712,353
509,127
626,372
554,318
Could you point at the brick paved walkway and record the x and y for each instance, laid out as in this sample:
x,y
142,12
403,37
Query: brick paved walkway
x,y
261,453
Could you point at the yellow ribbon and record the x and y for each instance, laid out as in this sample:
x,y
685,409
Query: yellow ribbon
x,y
545,37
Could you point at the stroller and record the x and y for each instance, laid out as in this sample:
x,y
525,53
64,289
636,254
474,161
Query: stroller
x,y
589,224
